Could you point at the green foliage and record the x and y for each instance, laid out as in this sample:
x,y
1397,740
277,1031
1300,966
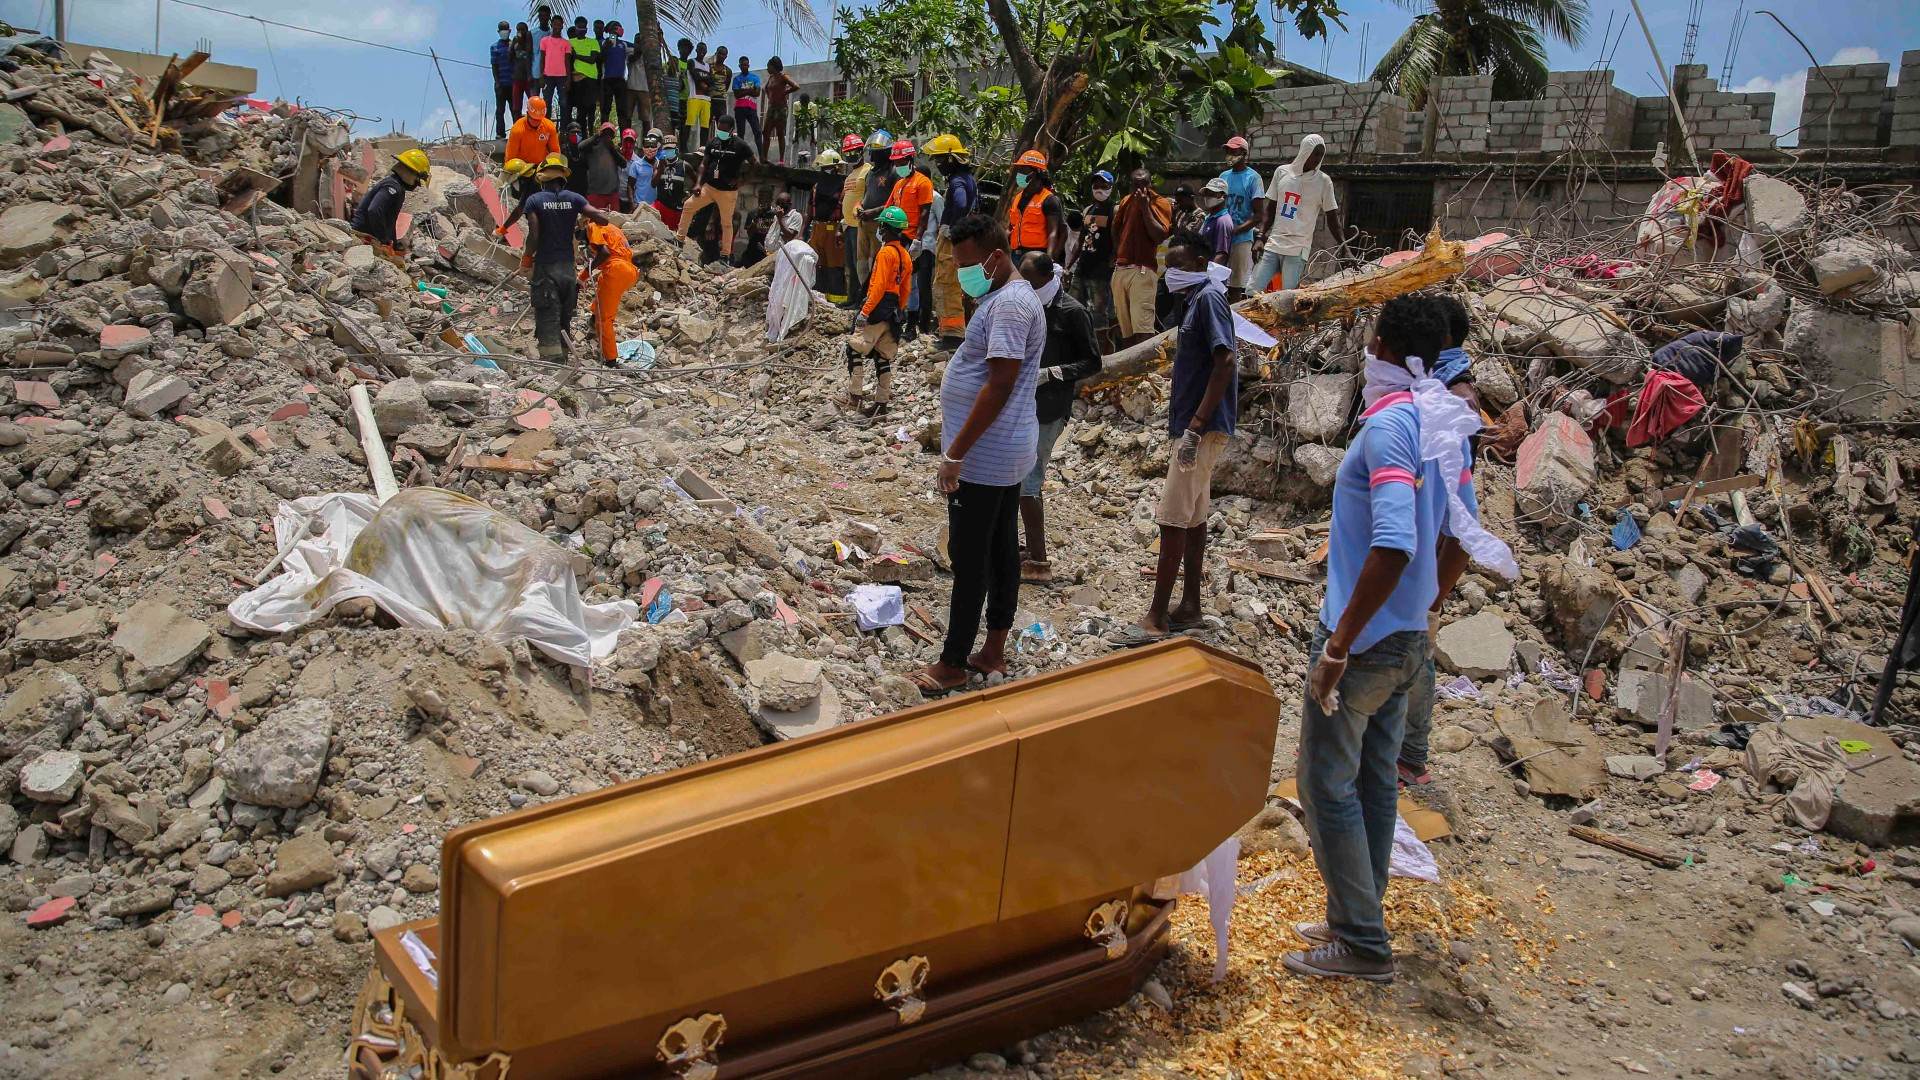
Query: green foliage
x,y
1480,37
827,121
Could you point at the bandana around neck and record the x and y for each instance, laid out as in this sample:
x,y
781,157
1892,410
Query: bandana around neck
x,y
1445,423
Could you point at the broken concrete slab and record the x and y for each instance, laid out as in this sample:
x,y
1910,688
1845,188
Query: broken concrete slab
x,y
156,645
1317,405
400,405
1320,462
1479,647
826,712
1643,693
53,777
304,862
1775,209
29,228
1634,766
783,683
280,763
1864,364
1554,471
1876,804
1559,757
151,394
220,290
134,821
61,634
1846,262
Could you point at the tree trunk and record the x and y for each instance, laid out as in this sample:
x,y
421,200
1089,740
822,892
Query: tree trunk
x,y
652,46
1432,132
1335,298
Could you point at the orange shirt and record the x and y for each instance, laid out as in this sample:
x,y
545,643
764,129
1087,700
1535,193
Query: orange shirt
x,y
611,238
892,273
531,140
914,194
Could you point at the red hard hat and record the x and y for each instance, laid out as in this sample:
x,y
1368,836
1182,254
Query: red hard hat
x,y
903,150
852,143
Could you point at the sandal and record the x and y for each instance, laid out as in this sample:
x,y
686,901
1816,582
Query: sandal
x,y
1410,778
1133,635
930,687
1000,671
1181,626
1036,571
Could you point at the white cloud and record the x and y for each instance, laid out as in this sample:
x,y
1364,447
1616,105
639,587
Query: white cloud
x,y
1790,90
475,116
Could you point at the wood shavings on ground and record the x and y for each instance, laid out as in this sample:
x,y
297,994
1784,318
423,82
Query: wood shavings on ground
x,y
1264,1023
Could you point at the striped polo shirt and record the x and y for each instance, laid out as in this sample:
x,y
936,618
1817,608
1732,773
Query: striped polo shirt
x,y
1009,323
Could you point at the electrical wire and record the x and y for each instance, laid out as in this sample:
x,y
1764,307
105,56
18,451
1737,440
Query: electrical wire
x,y
279,83
327,34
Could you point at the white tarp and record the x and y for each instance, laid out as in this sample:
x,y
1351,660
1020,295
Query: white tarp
x,y
434,560
792,288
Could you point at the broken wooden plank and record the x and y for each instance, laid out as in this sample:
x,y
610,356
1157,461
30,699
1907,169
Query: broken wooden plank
x,y
1271,570
1663,859
1702,489
1294,309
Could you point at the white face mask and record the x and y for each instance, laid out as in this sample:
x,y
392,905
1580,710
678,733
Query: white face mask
x,y
1383,378
1051,289
1102,193
1181,280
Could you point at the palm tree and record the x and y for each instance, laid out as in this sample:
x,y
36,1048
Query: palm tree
x,y
1501,38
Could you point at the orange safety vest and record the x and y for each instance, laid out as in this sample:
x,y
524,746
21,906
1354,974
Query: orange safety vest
x,y
892,274
1027,228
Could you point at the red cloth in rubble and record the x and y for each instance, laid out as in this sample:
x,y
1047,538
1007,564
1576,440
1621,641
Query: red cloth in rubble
x,y
1732,172
1667,400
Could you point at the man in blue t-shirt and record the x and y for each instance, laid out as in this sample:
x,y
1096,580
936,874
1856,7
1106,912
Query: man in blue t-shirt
x,y
553,214
1201,413
1246,200
1385,563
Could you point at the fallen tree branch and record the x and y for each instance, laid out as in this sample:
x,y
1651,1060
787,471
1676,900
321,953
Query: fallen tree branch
x,y
1292,310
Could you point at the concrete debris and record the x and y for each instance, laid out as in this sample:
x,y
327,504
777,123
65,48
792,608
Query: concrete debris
x,y
280,762
156,645
1479,647
1846,262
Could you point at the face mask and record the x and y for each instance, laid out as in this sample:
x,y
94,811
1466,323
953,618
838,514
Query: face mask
x,y
1382,378
722,136
668,155
903,171
1047,292
505,34
974,280
1181,280
1021,179
1102,193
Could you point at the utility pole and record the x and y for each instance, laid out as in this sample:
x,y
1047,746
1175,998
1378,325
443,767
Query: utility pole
x,y
451,107
59,20
156,27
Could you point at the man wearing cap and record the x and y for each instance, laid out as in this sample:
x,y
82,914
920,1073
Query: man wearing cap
x,y
1247,204
1140,222
670,182
1217,227
1299,193
377,215
912,190
852,192
719,182
1090,264
1036,219
640,190
553,213
603,169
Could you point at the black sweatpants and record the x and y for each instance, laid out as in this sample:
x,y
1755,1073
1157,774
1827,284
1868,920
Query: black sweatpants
x,y
983,543
583,99
556,292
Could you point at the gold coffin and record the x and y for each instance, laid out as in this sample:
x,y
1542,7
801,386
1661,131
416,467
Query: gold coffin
x,y
863,902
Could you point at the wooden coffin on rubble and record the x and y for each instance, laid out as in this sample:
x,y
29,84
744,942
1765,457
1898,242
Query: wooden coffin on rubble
x,y
866,902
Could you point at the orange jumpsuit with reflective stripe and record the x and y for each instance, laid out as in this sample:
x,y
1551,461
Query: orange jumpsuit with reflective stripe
x,y
617,275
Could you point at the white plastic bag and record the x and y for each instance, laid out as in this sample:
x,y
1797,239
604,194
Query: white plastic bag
x,y
434,560
875,606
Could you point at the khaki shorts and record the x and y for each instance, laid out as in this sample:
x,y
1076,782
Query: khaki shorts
x,y
874,339
1240,261
1133,299
1188,498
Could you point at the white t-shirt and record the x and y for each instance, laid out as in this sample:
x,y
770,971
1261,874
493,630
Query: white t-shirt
x,y
1297,199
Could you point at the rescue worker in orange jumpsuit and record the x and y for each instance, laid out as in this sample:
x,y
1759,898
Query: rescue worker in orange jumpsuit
x,y
612,259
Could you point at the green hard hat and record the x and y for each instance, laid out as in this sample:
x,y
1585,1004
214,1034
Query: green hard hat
x,y
894,217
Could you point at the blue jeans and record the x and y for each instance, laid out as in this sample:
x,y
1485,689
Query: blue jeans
x,y
1413,747
1049,433
1291,269
1349,787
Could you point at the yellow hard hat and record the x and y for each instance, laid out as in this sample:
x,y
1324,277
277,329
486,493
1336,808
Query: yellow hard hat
x,y
515,168
945,144
415,159
829,156
555,165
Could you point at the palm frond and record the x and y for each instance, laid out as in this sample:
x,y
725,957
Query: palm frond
x,y
1415,57
1565,20
1511,50
694,17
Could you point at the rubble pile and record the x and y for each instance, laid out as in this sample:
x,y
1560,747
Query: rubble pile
x,y
192,812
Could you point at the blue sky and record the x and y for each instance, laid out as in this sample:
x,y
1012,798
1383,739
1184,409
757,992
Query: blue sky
x,y
402,90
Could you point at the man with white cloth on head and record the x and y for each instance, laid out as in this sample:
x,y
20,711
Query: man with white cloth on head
x,y
1296,197
1404,524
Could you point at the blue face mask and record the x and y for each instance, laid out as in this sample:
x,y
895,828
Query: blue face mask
x,y
1022,179
974,280
722,136
903,171
668,155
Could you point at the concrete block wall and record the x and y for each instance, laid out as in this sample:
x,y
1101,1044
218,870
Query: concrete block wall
x,y
1904,127
1855,94
1466,112
1649,122
1468,207
1335,113
1516,126
1585,110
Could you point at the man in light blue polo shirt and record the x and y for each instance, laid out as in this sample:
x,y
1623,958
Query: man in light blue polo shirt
x,y
988,436
1385,561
